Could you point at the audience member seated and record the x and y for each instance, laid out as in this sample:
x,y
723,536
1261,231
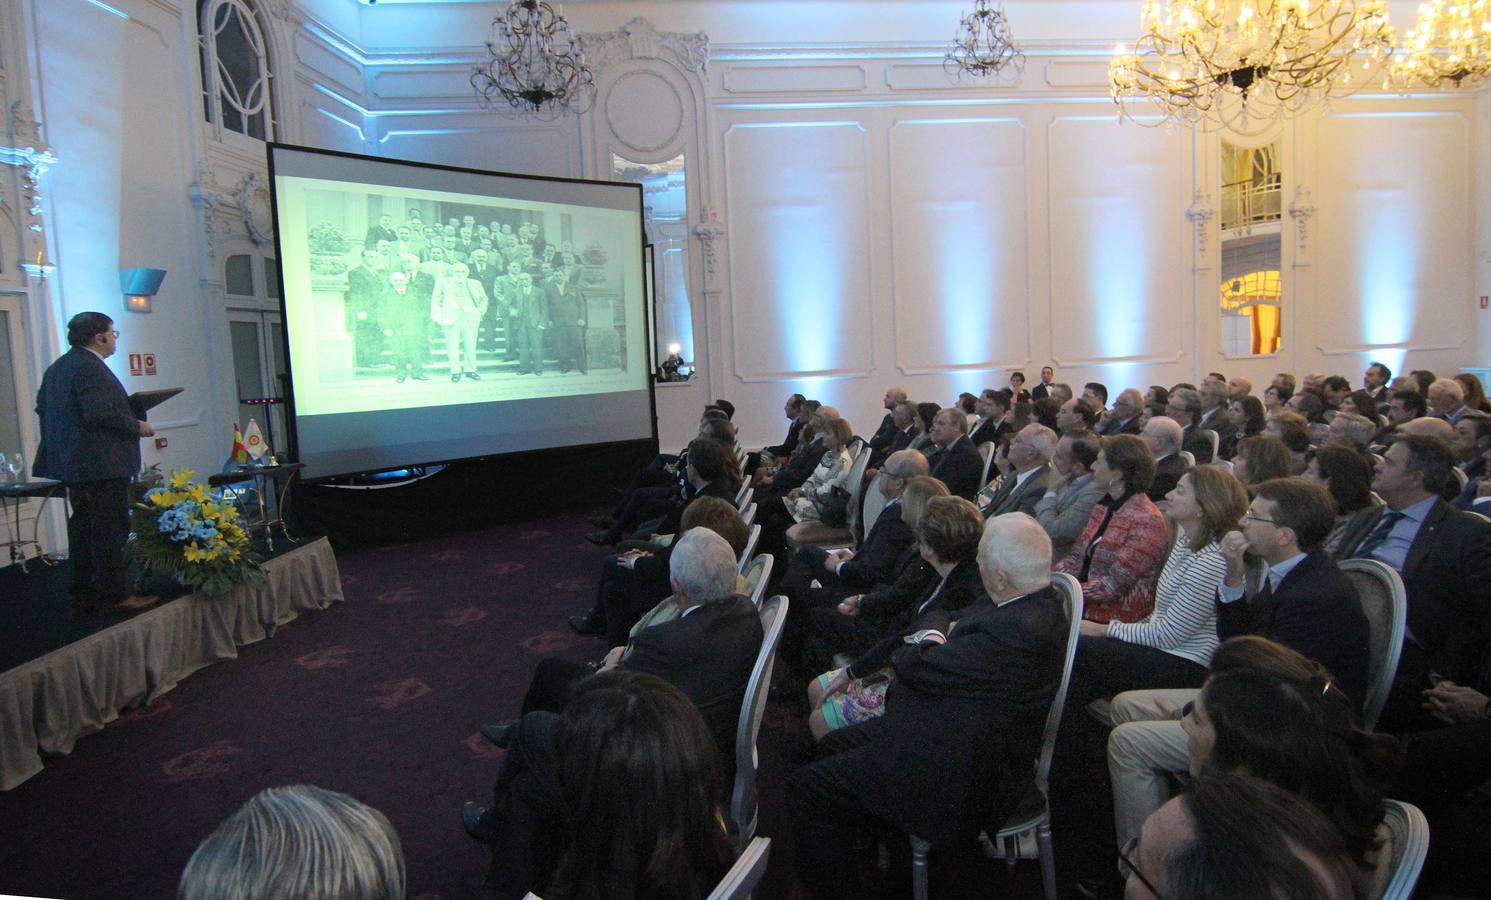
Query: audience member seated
x,y
643,793
1024,463
1347,475
903,417
707,652
298,843
1290,428
1363,404
1274,398
1444,557
662,485
1423,378
947,536
1061,391
845,571
1245,415
1045,410
1238,387
803,462
1447,399
1472,440
1375,381
1269,712
817,495
1118,554
1238,837
885,434
710,470
1184,406
1163,437
993,410
637,581
1123,418
1096,395
926,417
957,462
1214,413
955,748
1350,430
1070,491
1076,416
1285,382
1474,393
831,623
771,457
1335,390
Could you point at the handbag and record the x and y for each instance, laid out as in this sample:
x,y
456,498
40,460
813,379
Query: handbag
x,y
833,510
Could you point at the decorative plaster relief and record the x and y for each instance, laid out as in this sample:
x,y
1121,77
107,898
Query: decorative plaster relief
x,y
644,110
1201,214
1301,210
640,39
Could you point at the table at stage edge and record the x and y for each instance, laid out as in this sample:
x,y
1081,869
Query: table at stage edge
x,y
261,476
18,493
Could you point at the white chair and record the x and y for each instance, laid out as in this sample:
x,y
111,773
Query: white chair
x,y
1034,812
1482,516
744,499
986,450
1189,457
740,495
1385,604
872,505
1215,439
1460,477
743,796
741,882
1407,845
748,515
750,547
757,575
1223,464
821,535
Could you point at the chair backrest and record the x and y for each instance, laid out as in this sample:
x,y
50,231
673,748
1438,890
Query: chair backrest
x,y
757,575
872,505
1408,834
986,451
748,515
1481,516
1189,457
750,547
1222,463
857,486
744,499
743,796
1215,439
740,495
741,882
1461,477
1385,604
1070,591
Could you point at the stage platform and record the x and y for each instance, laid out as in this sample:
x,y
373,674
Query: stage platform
x,y
65,673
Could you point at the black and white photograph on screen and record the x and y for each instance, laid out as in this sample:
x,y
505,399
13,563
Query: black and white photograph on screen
x,y
453,292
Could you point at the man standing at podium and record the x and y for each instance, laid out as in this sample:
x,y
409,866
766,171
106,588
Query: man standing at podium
x,y
90,441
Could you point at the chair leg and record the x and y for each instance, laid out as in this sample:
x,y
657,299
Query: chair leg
x,y
1011,852
1048,860
919,850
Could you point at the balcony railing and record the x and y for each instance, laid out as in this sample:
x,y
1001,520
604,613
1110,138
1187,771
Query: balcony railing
x,y
1252,202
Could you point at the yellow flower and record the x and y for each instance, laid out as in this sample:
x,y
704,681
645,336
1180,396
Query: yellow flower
x,y
180,478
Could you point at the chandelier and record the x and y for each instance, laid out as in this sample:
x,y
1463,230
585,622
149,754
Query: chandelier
x,y
537,64
984,44
1210,62
1449,42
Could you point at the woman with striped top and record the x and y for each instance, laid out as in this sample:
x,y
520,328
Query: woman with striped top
x,y
1172,647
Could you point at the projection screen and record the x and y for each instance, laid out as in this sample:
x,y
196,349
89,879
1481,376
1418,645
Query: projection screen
x,y
434,313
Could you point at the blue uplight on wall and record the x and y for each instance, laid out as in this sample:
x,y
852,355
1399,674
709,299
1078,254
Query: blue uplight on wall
x,y
967,272
809,278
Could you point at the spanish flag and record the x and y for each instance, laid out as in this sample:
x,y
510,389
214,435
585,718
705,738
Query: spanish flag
x,y
239,453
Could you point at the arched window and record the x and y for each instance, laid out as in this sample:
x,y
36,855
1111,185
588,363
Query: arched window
x,y
235,69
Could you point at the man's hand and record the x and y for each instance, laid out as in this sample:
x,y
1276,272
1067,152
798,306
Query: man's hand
x,y
795,493
834,557
849,606
612,658
146,430
1234,545
1452,703
837,682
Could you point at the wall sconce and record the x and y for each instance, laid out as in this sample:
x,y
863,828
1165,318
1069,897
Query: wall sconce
x,y
139,287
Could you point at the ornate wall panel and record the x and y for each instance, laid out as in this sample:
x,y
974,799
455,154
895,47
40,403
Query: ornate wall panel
x,y
1118,243
1391,226
959,245
798,217
481,140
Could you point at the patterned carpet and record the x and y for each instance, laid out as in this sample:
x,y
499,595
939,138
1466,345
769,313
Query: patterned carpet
x,y
380,697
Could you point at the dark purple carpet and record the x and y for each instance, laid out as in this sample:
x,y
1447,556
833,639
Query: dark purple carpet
x,y
380,696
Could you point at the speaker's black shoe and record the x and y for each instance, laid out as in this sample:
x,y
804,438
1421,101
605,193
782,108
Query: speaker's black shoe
x,y
471,817
498,734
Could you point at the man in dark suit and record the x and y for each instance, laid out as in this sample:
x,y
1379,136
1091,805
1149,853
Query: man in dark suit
x,y
1025,467
707,652
1444,557
841,572
1305,602
992,407
364,289
1214,413
959,465
1184,406
1123,418
962,724
1163,435
383,231
405,312
881,440
1043,390
567,315
90,441
526,308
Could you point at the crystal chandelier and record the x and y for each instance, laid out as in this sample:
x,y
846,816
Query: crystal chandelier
x,y
1215,62
537,64
984,44
1449,42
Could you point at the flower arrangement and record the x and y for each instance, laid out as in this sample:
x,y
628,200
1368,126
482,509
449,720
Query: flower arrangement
x,y
182,530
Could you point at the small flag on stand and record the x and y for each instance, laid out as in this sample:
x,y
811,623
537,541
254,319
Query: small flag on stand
x,y
239,453
253,441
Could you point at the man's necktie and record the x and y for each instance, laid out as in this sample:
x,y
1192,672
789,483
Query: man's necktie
x,y
1379,534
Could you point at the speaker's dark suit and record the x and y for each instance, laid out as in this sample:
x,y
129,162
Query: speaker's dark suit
x,y
1447,577
90,439
954,749
960,467
1315,610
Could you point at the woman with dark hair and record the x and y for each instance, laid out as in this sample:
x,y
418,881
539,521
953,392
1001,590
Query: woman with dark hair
x,y
1348,476
926,414
1274,398
1475,394
1261,458
1248,419
1045,410
1291,428
947,535
1361,403
643,794
1118,554
1294,728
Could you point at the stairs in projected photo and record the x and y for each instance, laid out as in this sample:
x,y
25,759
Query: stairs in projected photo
x,y
489,361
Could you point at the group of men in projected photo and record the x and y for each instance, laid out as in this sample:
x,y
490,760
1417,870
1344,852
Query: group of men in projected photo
x,y
492,286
